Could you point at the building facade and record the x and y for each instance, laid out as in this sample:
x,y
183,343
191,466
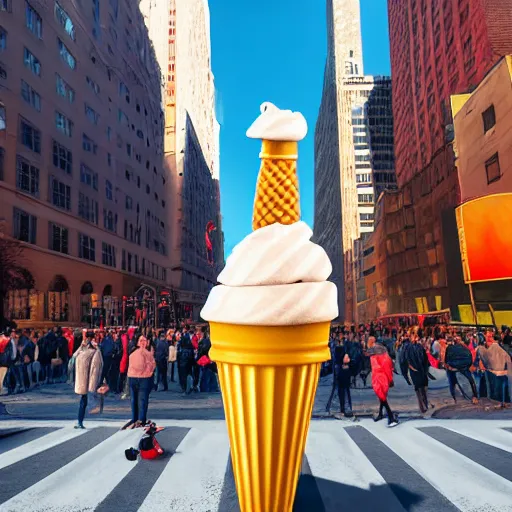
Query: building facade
x,y
438,48
355,122
82,178
180,29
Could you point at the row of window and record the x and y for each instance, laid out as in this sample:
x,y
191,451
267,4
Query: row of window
x,y
25,230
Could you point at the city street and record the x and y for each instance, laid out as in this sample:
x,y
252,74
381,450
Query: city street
x,y
421,466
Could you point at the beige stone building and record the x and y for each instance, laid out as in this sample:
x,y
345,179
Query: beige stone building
x,y
180,30
83,184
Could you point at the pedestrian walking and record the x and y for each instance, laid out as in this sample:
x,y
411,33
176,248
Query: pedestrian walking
x,y
382,379
88,372
162,360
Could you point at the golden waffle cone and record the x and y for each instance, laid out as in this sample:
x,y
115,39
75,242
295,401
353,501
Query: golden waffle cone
x,y
268,376
277,189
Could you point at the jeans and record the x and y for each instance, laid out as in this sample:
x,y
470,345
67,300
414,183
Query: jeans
x,y
498,386
81,409
171,368
139,397
452,380
208,382
19,376
184,370
161,375
385,405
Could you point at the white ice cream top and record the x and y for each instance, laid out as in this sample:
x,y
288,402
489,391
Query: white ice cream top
x,y
276,254
276,124
275,276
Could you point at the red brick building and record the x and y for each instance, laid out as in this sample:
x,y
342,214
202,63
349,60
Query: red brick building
x,y
438,48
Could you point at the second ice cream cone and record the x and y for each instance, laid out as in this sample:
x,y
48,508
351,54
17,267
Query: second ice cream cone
x,y
277,189
268,393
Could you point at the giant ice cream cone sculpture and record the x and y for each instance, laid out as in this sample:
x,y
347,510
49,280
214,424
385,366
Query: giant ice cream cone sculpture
x,y
269,323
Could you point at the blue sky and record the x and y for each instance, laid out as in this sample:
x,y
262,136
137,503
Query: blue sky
x,y
274,50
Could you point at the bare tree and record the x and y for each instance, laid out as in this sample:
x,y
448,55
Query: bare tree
x,y
13,276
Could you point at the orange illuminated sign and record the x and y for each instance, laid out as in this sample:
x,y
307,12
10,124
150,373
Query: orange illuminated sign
x,y
485,237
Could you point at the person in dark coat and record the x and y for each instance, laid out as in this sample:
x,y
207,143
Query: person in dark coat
x,y
458,359
161,359
344,371
418,366
186,361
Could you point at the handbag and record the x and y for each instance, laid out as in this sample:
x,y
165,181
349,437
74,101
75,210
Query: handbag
x,y
103,390
56,361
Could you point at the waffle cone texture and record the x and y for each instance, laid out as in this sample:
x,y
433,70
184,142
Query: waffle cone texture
x,y
277,189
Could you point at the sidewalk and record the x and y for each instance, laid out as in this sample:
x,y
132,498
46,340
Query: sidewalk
x,y
58,401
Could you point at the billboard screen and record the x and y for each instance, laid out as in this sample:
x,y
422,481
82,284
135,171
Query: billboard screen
x,y
485,237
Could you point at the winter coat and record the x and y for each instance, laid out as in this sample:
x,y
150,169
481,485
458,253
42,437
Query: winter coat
x,y
29,351
141,364
458,357
123,368
88,369
343,371
382,371
162,351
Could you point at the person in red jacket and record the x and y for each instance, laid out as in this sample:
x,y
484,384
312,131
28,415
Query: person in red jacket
x,y
123,367
382,378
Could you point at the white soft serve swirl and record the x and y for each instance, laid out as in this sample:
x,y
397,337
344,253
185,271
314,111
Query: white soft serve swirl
x,y
276,254
278,125
275,276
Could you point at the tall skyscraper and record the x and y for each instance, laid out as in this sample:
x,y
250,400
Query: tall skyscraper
x,y
181,31
438,48
348,144
82,180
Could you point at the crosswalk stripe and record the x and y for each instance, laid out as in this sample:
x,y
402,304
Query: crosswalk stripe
x,y
29,471
338,463
39,444
102,467
198,465
492,435
13,440
143,475
496,460
410,488
464,483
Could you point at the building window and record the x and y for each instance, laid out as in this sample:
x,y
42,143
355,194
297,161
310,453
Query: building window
x,y
489,117
33,21
86,247
30,96
27,177
88,208
64,20
3,39
58,238
109,133
129,149
124,91
5,5
31,62
66,55
24,226
91,114
89,145
123,118
88,177
492,168
109,220
30,136
129,203
369,271
92,84
2,159
62,157
108,255
63,124
366,216
60,194
365,198
64,89
123,260
109,194
109,159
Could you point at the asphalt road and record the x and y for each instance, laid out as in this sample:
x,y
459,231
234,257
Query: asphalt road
x,y
419,466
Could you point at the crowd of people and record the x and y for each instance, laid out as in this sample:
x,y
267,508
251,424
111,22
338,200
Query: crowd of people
x,y
482,356
126,362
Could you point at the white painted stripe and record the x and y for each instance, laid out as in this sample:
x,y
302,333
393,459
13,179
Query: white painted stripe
x,y
339,459
469,486
83,483
38,445
194,477
485,434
